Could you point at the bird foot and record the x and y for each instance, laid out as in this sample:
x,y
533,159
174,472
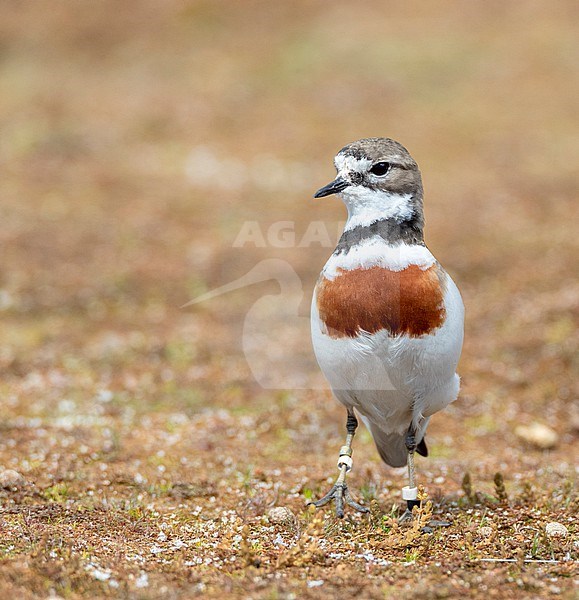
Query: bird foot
x,y
408,516
339,494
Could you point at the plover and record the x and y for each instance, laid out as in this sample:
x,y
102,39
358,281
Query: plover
x,y
387,320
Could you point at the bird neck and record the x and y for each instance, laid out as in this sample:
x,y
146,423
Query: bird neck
x,y
396,219
391,231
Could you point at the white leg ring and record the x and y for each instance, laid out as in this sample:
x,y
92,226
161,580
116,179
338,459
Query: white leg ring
x,y
344,459
409,493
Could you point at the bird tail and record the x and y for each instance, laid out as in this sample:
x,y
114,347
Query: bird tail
x,y
392,446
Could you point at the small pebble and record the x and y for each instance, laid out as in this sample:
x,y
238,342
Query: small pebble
x,y
281,515
10,478
485,531
555,529
538,435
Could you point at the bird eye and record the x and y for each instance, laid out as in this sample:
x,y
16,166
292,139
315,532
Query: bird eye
x,y
380,168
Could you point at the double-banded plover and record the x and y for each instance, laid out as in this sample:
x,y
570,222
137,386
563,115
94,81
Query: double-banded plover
x,y
387,320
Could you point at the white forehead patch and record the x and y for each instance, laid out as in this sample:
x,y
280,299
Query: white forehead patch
x,y
347,163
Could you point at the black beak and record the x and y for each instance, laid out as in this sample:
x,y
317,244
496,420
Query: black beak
x,y
336,186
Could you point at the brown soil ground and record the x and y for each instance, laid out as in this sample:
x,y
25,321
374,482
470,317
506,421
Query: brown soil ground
x,y
138,140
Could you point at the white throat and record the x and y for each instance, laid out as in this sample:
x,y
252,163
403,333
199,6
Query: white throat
x,y
367,206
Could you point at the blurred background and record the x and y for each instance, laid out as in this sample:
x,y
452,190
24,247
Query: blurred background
x,y
137,142
137,139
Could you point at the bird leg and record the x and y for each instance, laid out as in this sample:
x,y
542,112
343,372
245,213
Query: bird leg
x,y
339,492
410,492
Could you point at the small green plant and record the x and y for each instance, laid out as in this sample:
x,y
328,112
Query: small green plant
x,y
135,513
248,551
535,545
369,492
411,556
467,487
59,493
500,490
527,495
